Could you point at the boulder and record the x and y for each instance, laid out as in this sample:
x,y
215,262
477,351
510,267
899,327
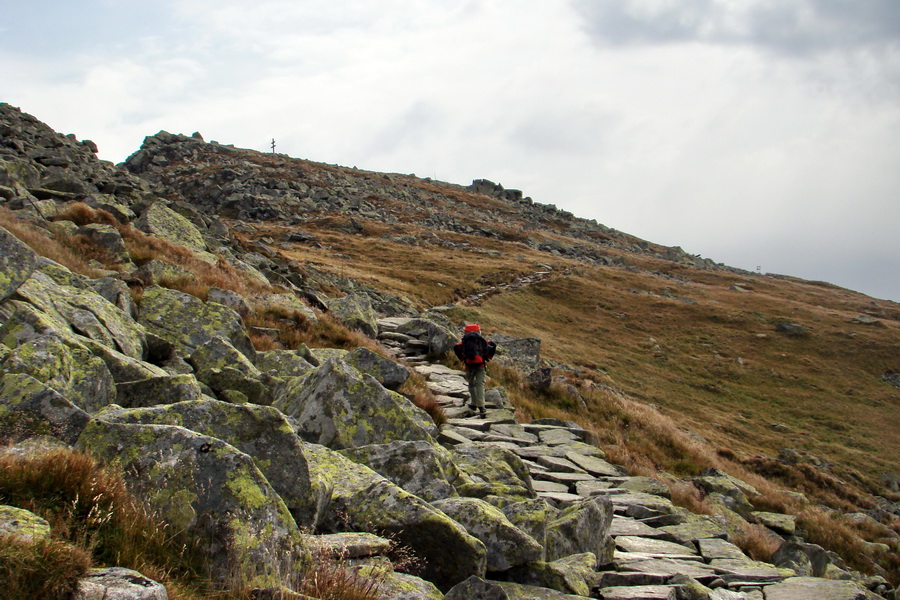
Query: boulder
x,y
806,559
230,299
163,222
258,431
71,370
499,469
116,583
401,586
777,522
531,516
571,575
188,323
338,407
582,527
23,525
108,238
222,367
283,363
387,372
29,408
85,312
421,468
356,312
507,545
155,271
524,353
476,588
362,500
211,490
115,291
165,389
17,262
439,338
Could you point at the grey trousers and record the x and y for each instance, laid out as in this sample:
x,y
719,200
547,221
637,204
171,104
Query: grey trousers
x,y
475,378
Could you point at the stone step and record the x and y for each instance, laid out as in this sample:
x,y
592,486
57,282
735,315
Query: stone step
x,y
640,592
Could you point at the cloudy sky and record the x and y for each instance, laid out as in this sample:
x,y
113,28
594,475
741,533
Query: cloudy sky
x,y
759,133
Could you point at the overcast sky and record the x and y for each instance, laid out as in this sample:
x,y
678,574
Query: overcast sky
x,y
758,133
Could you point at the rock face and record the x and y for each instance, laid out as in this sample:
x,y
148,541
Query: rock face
x,y
191,480
163,222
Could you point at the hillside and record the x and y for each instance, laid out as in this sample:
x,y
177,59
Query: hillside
x,y
677,368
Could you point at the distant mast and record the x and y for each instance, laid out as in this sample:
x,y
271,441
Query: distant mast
x,y
273,145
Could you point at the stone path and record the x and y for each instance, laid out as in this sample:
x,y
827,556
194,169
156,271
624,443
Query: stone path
x,y
655,542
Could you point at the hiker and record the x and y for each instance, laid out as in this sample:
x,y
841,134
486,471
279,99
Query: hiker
x,y
475,352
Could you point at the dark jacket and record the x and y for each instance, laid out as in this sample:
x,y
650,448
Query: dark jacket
x,y
474,351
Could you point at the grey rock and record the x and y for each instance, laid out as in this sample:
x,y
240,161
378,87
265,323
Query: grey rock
x,y
116,583
17,263
29,408
582,527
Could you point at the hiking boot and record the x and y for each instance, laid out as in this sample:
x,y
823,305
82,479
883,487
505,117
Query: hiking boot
x,y
482,414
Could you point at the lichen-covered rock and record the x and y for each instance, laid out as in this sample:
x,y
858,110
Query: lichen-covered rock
x,y
154,271
208,488
115,291
531,516
85,312
352,544
108,238
220,366
259,431
230,299
507,545
283,363
158,390
777,522
116,583
400,586
387,372
421,468
71,370
355,311
362,500
338,407
123,368
582,527
17,263
188,323
485,463
475,588
571,575
23,524
163,222
440,338
29,408
805,559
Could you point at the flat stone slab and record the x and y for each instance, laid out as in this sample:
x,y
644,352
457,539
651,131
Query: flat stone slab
x,y
549,487
813,588
556,436
713,548
641,506
448,388
569,479
665,566
560,465
618,554
534,452
516,431
451,436
694,530
639,592
619,579
631,543
560,497
492,437
592,488
478,424
748,570
593,465
631,527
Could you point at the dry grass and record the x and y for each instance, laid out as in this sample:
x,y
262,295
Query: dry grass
x,y
40,569
92,515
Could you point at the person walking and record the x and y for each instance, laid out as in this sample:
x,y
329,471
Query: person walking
x,y
475,352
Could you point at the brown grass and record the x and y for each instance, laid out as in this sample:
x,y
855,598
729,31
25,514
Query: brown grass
x,y
92,514
40,569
